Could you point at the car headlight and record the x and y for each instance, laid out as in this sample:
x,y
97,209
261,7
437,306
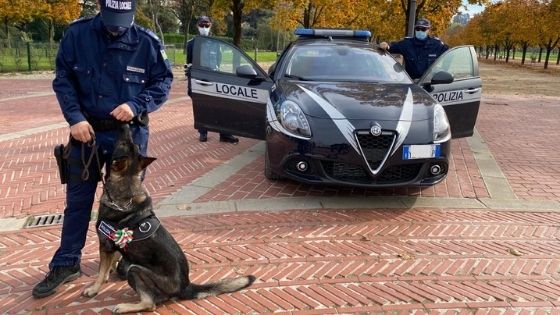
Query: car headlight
x,y
293,119
442,130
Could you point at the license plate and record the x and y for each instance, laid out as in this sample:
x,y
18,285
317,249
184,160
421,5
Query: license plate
x,y
411,152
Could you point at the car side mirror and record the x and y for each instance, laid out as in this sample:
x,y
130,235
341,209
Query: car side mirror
x,y
442,77
246,71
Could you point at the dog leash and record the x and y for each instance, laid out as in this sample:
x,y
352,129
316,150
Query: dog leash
x,y
87,163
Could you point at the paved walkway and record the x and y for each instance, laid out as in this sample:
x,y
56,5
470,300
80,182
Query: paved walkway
x,y
485,240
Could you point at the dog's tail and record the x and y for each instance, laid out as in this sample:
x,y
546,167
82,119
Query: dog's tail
x,y
195,291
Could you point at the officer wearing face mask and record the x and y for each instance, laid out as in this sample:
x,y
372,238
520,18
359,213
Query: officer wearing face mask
x,y
211,61
420,51
109,72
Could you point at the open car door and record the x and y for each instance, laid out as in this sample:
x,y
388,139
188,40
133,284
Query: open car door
x,y
229,90
460,98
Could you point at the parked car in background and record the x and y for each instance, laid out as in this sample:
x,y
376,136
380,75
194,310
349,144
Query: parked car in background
x,y
334,109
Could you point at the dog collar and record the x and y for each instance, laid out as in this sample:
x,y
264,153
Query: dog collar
x,y
121,236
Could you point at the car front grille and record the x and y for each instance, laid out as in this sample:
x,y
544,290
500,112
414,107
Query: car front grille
x,y
354,173
375,148
400,173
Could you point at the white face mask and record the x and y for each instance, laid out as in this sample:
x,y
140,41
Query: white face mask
x,y
204,31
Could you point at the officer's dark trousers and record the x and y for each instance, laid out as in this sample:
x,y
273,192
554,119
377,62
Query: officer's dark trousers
x,y
80,194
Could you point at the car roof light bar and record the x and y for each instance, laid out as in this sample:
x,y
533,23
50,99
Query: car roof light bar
x,y
332,33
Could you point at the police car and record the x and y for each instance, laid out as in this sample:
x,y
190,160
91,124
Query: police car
x,y
336,110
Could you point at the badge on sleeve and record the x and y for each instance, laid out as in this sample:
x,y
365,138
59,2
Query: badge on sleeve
x,y
163,54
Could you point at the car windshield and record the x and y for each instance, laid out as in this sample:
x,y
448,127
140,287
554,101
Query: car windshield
x,y
343,63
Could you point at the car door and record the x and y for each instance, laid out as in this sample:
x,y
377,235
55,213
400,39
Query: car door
x,y
461,98
229,90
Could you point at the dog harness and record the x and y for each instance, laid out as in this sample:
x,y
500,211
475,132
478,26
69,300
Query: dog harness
x,y
121,236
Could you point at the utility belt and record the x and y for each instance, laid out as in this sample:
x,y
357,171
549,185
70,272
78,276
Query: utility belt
x,y
62,151
113,124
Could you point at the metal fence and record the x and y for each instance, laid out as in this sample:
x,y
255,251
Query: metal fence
x,y
29,56
26,56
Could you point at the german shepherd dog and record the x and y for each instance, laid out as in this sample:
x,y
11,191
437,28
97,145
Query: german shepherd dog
x,y
157,267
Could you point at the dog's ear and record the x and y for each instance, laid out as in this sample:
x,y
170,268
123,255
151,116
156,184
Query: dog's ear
x,y
145,161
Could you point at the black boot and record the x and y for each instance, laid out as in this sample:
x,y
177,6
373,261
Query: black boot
x,y
229,138
55,278
203,137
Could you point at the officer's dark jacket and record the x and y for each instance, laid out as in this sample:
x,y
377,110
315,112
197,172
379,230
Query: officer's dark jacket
x,y
94,74
213,57
418,54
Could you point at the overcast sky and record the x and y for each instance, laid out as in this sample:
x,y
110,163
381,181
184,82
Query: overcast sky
x,y
471,9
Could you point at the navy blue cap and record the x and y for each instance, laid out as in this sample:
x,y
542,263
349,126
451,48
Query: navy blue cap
x,y
423,23
203,19
118,12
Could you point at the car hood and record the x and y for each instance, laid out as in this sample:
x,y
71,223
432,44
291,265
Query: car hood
x,y
358,100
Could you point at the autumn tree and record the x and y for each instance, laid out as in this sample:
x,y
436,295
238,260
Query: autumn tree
x,y
58,12
548,31
17,12
525,13
236,8
438,12
187,10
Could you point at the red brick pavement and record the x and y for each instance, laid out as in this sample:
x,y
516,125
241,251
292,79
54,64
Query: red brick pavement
x,y
523,135
29,183
415,261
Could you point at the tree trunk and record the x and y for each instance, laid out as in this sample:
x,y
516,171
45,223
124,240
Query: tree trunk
x,y
237,9
540,53
525,46
558,57
51,31
8,44
547,56
187,28
549,47
155,19
496,50
513,54
307,16
507,54
487,51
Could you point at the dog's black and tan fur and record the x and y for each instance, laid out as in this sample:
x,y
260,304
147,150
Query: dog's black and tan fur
x,y
158,269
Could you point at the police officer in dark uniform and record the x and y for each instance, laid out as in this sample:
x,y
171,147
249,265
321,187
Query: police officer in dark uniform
x,y
109,71
420,51
211,61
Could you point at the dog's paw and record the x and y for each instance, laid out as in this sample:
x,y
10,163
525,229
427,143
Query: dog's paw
x,y
127,308
90,291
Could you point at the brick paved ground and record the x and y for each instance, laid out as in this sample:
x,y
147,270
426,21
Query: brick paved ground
x,y
524,137
420,261
326,262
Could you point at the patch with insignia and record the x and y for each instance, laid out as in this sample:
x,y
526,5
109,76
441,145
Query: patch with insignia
x,y
163,54
135,69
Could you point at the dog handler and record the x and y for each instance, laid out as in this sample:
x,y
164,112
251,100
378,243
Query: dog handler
x,y
109,71
420,51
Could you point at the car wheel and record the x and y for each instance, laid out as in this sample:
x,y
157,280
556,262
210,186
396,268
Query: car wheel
x,y
268,173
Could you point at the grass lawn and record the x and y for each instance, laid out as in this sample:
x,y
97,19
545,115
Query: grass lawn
x,y
40,61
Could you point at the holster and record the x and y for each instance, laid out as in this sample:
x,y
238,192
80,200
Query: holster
x,y
61,153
